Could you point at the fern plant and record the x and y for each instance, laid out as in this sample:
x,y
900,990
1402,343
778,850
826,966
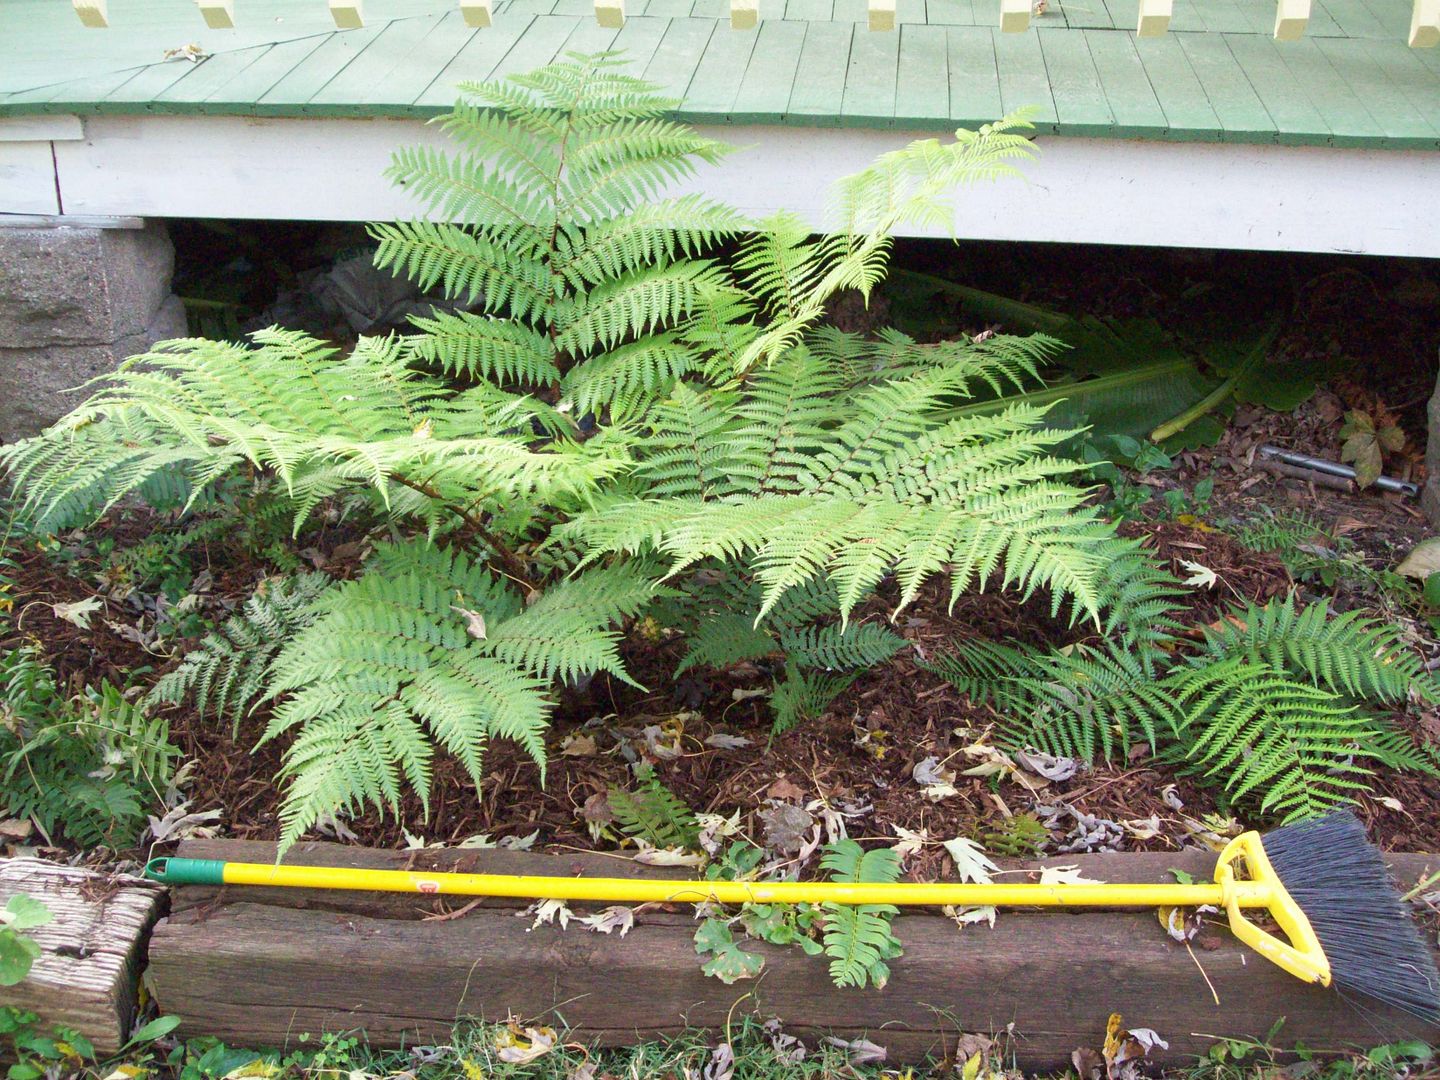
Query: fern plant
x,y
430,647
1272,709
227,672
552,227
655,814
607,408
800,474
858,938
84,769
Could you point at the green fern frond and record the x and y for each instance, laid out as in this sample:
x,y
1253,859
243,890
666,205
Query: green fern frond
x,y
858,938
429,647
1344,653
858,645
226,672
804,695
723,638
654,813
1259,733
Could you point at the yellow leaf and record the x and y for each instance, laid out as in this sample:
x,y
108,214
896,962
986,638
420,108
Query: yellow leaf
x,y
1114,1036
472,1071
972,1068
259,1069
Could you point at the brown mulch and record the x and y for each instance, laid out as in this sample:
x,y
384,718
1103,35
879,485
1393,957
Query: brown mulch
x,y
859,757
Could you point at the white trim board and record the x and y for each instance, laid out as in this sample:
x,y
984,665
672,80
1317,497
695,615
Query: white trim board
x,y
1109,191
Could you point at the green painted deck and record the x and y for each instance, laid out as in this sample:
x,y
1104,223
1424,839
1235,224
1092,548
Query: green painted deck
x,y
1216,77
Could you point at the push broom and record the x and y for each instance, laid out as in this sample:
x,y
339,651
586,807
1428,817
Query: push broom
x,y
1320,881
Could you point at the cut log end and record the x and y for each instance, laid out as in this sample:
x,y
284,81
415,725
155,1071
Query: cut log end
x,y
90,953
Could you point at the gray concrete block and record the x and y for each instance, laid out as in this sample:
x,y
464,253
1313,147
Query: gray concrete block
x,y
67,286
74,303
36,384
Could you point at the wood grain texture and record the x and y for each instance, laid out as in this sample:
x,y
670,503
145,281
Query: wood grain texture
x,y
255,967
86,975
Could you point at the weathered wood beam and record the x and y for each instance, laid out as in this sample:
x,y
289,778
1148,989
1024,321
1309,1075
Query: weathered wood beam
x,y
92,13
1290,19
218,14
610,13
476,13
1154,18
348,14
90,954
744,14
1425,24
256,966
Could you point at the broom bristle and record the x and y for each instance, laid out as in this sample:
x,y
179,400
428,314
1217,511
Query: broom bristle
x,y
1340,881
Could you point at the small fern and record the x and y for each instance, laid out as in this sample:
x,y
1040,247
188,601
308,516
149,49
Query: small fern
x,y
804,695
1259,733
1347,653
1269,712
655,814
857,937
226,673
429,647
84,769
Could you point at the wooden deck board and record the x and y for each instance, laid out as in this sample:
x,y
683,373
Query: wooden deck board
x,y
1127,87
974,85
869,99
764,90
1217,76
922,83
1242,116
1186,104
1080,100
820,78
1398,117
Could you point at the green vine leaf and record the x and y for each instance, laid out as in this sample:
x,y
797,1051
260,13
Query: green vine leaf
x,y
728,962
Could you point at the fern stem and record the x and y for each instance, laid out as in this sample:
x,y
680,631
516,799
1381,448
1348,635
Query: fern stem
x,y
512,565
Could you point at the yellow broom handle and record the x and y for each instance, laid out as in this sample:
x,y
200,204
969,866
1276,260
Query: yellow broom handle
x,y
626,890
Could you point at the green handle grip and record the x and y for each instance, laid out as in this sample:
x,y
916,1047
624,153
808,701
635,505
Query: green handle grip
x,y
170,871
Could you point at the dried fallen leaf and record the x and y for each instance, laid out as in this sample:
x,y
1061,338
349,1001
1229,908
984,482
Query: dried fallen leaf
x,y
519,843
1049,766
1423,560
78,612
16,829
1199,576
474,621
910,841
610,920
859,1051
971,862
548,913
576,745
785,826
1065,875
721,740
520,1046
653,856
784,789
179,824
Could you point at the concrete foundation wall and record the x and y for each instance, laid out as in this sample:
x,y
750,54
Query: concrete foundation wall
x,y
74,303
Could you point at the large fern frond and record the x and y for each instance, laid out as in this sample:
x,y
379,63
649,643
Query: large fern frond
x,y
1345,653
